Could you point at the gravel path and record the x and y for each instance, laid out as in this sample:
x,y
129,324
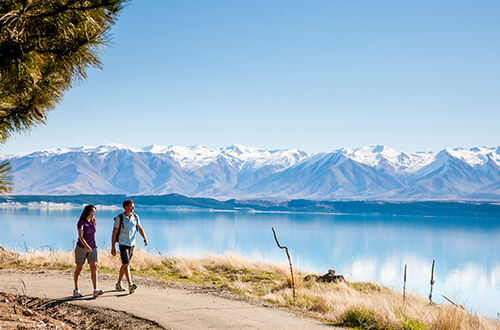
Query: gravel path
x,y
172,308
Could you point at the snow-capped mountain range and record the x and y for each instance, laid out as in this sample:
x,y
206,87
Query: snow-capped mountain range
x,y
372,172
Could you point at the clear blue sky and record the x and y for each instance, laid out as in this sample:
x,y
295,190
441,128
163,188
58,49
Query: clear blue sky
x,y
314,75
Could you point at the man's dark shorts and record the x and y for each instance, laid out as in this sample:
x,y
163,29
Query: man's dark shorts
x,y
126,253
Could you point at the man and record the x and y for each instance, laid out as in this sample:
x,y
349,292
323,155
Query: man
x,y
127,224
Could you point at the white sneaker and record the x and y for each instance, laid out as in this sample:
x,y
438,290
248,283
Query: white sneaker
x,y
119,287
97,293
77,293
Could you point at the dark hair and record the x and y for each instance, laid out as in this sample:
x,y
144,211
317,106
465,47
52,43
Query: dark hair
x,y
86,212
127,202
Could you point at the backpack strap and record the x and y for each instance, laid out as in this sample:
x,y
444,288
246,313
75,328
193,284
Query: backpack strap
x,y
121,224
119,227
136,221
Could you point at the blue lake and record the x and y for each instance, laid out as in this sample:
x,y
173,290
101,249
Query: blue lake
x,y
362,248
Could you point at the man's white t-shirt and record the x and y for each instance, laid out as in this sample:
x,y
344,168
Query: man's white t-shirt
x,y
128,232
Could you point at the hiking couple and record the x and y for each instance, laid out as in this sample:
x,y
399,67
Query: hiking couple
x,y
125,228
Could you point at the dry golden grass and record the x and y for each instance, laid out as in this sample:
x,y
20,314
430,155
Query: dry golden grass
x,y
357,305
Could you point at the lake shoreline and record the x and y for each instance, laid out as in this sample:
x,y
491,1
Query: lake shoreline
x,y
475,209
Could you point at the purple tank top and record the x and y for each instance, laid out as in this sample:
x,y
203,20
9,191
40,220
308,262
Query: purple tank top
x,y
88,233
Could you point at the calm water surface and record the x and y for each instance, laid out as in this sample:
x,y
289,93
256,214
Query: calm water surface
x,y
363,248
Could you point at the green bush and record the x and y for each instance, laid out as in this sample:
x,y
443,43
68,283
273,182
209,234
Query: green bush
x,y
411,324
359,318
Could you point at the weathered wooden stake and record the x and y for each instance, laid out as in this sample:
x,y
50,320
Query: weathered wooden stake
x,y
404,285
454,304
432,281
289,260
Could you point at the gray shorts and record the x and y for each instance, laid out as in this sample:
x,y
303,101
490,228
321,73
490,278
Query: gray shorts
x,y
81,254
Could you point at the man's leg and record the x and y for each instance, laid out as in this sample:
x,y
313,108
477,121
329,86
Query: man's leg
x,y
125,270
126,253
125,257
120,276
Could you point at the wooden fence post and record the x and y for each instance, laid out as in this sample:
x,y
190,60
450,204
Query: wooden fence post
x,y
404,285
432,281
289,260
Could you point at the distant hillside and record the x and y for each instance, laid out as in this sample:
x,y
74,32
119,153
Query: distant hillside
x,y
428,208
369,173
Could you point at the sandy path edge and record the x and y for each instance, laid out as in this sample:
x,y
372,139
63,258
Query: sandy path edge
x,y
170,307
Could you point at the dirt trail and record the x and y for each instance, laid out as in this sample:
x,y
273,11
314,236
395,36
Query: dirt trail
x,y
172,308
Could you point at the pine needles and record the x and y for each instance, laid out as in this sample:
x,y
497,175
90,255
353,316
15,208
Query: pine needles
x,y
45,45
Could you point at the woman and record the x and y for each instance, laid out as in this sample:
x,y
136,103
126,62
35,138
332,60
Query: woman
x,y
86,249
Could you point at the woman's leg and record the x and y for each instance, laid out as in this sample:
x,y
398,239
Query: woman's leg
x,y
78,270
93,273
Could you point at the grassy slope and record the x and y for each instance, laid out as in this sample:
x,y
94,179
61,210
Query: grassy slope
x,y
356,305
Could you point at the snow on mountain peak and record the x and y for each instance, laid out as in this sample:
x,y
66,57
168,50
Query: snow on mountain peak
x,y
105,148
378,155
243,153
372,154
476,156
191,157
248,171
197,156
156,149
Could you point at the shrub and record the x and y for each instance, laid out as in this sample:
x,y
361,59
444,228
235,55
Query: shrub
x,y
359,318
411,324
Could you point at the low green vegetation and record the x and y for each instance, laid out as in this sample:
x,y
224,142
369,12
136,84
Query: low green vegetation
x,y
410,324
359,318
367,287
